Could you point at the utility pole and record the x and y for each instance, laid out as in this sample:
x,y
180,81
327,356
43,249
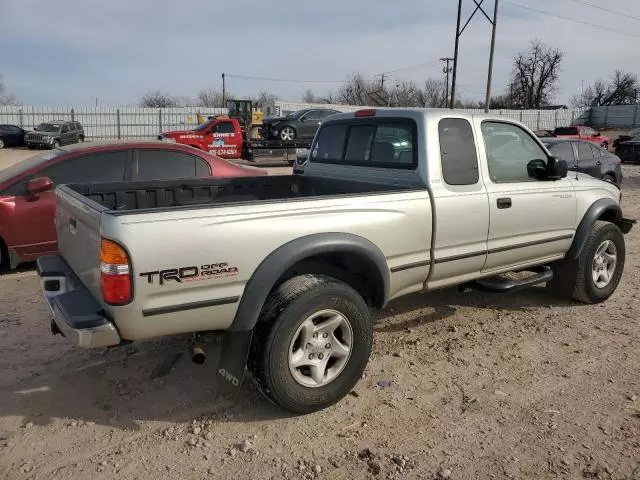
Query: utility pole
x,y
494,24
224,92
382,81
460,31
447,71
455,57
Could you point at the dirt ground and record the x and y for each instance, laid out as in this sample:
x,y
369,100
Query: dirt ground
x,y
460,386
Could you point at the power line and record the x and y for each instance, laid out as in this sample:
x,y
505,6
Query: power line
x,y
288,80
542,12
615,12
413,67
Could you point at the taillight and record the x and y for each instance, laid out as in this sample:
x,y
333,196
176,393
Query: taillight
x,y
115,273
367,112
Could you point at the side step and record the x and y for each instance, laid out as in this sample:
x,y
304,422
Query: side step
x,y
541,274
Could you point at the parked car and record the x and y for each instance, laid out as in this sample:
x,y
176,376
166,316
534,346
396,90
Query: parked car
x,y
300,125
11,136
629,150
289,267
630,135
586,157
219,136
54,134
27,199
580,132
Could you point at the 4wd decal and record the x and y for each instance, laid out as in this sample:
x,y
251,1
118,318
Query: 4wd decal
x,y
191,274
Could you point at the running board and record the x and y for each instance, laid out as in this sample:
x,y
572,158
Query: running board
x,y
541,274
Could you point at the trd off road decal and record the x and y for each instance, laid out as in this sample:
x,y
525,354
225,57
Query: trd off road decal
x,y
191,274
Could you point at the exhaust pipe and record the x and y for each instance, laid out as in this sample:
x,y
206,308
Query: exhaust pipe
x,y
197,355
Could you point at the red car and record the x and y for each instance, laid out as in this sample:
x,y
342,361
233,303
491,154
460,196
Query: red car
x,y
27,199
583,133
219,136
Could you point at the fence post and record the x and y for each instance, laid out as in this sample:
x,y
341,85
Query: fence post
x,y
160,121
573,116
538,121
118,122
520,116
33,116
556,120
635,114
21,117
73,115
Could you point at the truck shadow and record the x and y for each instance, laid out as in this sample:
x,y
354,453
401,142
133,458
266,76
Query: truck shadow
x,y
156,380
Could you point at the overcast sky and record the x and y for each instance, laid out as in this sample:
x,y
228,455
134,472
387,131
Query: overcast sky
x,y
69,52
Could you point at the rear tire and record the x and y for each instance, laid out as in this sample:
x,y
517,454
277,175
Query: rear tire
x,y
596,273
287,134
1,143
297,361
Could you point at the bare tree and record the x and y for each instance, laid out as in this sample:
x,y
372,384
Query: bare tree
x,y
264,99
621,89
6,98
158,99
535,74
433,95
356,90
309,97
210,97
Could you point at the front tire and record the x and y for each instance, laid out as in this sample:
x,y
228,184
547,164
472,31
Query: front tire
x,y
595,275
56,144
312,343
287,134
1,143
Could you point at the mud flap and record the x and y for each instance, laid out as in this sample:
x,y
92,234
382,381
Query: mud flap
x,y
233,360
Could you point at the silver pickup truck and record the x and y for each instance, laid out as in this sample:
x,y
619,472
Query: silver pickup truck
x,y
391,202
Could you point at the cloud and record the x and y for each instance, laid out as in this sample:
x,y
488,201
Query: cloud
x,y
71,51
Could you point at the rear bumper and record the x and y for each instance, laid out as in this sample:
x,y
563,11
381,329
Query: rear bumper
x,y
75,313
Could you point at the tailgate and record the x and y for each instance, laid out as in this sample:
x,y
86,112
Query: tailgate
x,y
78,228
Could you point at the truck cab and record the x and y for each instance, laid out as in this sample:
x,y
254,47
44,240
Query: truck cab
x,y
221,136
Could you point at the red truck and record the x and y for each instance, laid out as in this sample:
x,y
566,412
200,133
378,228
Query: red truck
x,y
220,136
580,132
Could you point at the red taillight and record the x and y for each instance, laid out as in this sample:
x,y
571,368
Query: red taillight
x,y
115,273
367,112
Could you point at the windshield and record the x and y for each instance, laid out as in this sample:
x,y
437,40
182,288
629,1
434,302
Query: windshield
x,y
21,167
566,131
203,126
48,127
297,115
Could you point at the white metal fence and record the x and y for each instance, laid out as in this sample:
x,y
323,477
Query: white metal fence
x,y
133,122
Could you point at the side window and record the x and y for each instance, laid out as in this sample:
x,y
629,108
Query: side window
x,y
393,146
202,168
72,127
458,152
98,167
64,129
597,151
585,154
313,116
224,127
564,151
509,150
164,165
329,145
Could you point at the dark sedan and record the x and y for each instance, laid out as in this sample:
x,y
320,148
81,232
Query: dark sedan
x,y
586,157
300,125
629,151
11,136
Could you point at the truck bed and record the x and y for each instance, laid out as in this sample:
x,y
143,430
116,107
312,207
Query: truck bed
x,y
131,196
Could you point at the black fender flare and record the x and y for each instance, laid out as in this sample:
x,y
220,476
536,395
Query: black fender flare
x,y
600,208
280,260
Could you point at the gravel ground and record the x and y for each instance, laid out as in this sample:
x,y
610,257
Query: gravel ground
x,y
459,386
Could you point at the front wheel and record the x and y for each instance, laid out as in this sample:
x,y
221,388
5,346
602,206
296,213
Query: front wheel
x,y
312,343
596,273
1,143
287,134
605,145
56,144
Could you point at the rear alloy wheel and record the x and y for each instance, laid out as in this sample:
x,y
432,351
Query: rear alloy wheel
x,y
287,134
1,143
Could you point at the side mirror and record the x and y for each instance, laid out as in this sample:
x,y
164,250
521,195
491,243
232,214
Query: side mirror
x,y
36,186
537,169
557,168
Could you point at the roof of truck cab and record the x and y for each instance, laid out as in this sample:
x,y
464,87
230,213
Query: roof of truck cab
x,y
413,112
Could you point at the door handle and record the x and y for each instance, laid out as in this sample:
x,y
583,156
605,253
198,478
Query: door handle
x,y
504,203
598,163
72,225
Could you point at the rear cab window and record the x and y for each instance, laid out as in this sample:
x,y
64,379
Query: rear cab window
x,y
374,142
566,131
